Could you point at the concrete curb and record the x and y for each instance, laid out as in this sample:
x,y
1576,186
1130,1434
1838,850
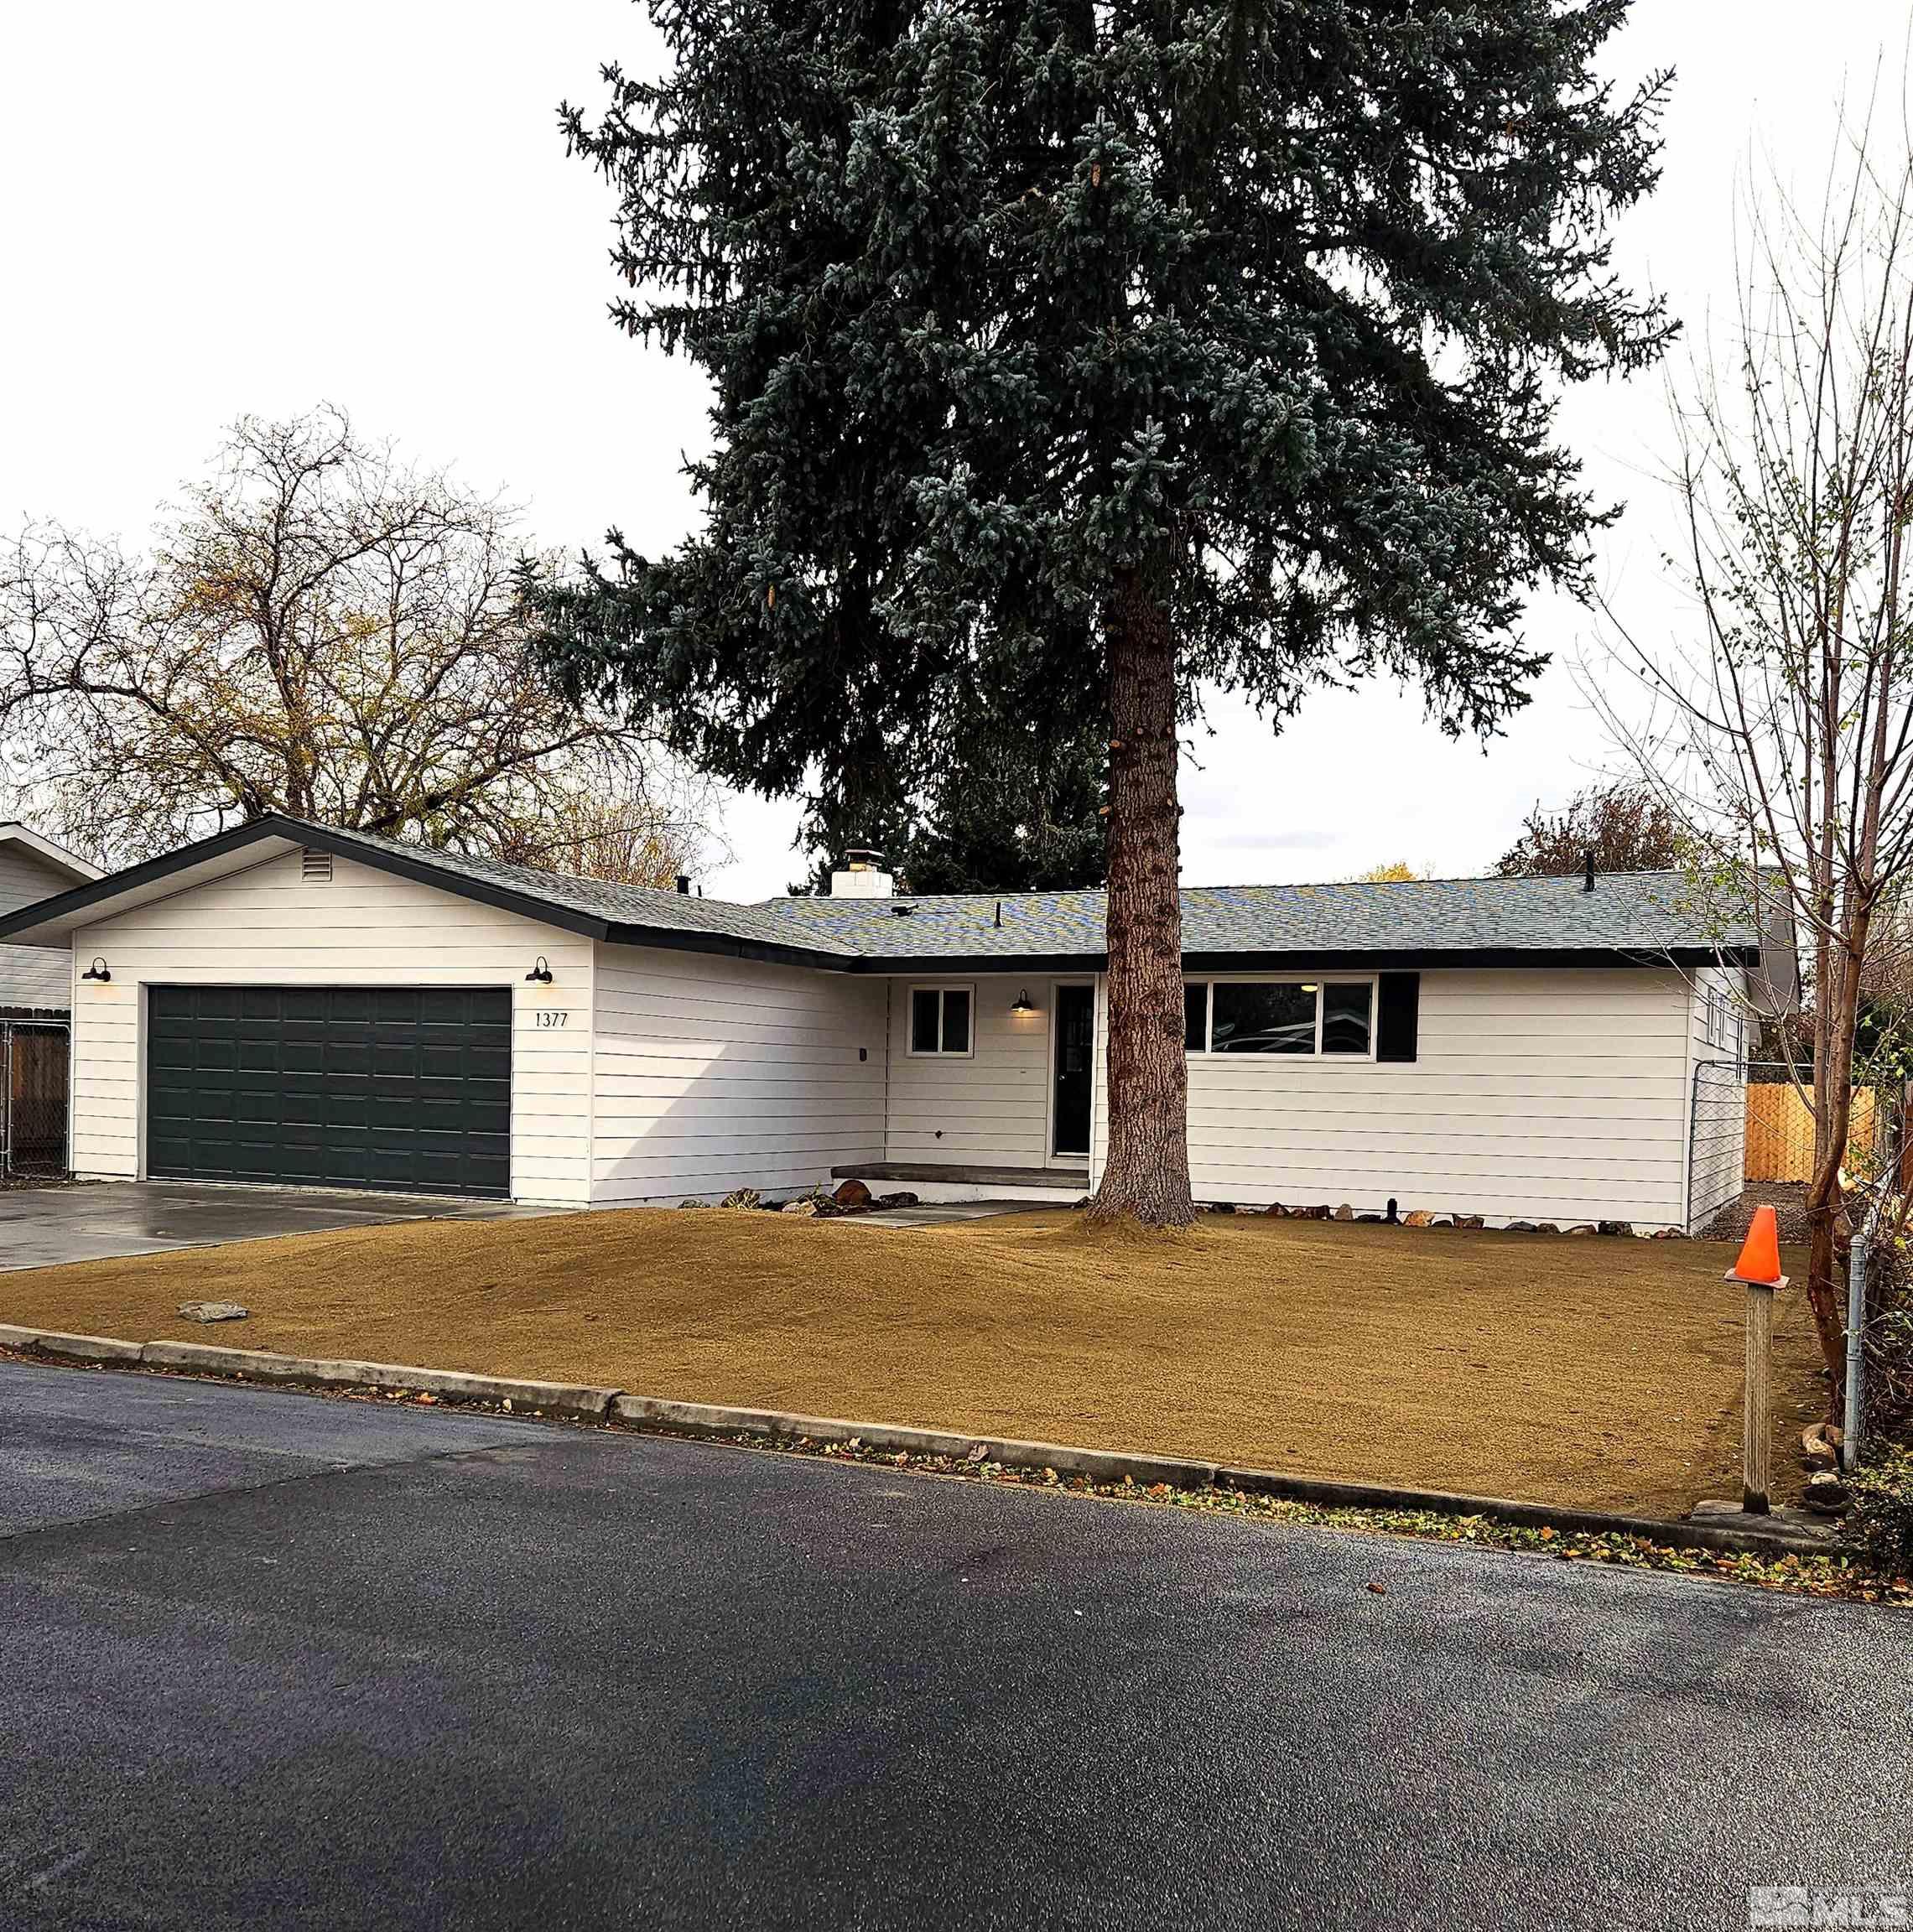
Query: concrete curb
x,y
584,1402
1179,1472
577,1401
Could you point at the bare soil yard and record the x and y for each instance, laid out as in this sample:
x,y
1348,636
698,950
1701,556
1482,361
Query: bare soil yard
x,y
1601,1372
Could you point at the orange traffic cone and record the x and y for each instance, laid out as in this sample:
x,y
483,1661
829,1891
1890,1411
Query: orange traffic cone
x,y
1760,1262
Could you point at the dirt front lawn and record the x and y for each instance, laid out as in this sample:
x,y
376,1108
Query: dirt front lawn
x,y
1602,1372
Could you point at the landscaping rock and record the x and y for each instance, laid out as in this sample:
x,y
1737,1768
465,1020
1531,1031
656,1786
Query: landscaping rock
x,y
1324,1212
1816,1451
1670,1234
1584,1228
1242,1207
905,1199
1546,1227
1276,1210
1416,1217
1373,1220
1470,1220
1521,1228
1442,1221
214,1310
806,1206
1826,1494
1345,1212
1614,1228
688,1203
741,1198
851,1194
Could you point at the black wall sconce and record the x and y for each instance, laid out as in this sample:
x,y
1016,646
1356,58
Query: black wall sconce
x,y
97,971
1023,1003
541,972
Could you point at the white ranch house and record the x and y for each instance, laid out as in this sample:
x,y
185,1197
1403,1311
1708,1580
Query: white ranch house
x,y
291,1004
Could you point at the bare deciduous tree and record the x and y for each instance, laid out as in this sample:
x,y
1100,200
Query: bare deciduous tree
x,y
325,630
1784,734
1624,826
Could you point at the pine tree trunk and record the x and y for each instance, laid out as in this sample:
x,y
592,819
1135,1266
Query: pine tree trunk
x,y
1146,1173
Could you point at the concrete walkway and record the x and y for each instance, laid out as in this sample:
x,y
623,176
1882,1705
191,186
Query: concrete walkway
x,y
941,1213
90,1221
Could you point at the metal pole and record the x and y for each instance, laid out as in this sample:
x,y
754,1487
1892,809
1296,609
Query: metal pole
x,y
6,1112
1853,1422
1856,1344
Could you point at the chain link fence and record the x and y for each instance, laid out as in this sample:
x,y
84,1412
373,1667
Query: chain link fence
x,y
1717,1141
35,1059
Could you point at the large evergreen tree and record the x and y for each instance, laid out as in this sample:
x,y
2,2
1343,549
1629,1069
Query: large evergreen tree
x,y
1011,805
1102,351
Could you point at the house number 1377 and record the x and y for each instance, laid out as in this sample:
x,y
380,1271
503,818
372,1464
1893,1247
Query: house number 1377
x,y
552,1016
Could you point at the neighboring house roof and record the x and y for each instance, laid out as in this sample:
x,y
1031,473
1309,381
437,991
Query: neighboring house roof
x,y
23,838
1643,918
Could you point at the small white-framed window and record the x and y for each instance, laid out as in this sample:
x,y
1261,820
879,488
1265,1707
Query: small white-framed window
x,y
1726,1024
1314,1018
942,1021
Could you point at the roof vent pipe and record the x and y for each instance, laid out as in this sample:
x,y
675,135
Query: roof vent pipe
x,y
1588,877
684,884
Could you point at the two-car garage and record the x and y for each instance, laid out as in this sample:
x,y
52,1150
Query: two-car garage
x,y
400,1088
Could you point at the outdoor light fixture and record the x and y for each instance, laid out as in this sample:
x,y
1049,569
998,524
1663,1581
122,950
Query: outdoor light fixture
x,y
1023,1003
541,972
98,971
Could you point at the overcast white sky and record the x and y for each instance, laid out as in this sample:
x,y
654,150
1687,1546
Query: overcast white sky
x,y
215,206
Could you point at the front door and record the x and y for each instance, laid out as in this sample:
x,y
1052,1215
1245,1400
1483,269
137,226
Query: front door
x,y
1075,1048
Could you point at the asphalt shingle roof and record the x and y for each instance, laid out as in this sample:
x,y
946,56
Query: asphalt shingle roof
x,y
1645,913
659,909
1648,913
1643,916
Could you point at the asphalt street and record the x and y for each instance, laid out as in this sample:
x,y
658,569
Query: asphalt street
x,y
269,1660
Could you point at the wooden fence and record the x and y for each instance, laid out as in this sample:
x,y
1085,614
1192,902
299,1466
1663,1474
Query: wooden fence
x,y
1779,1132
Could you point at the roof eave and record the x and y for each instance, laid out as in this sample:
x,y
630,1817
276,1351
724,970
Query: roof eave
x,y
728,945
1344,960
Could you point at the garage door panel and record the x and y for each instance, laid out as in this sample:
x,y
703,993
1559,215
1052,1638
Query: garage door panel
x,y
400,1088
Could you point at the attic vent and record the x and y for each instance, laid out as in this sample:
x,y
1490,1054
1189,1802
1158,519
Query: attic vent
x,y
316,866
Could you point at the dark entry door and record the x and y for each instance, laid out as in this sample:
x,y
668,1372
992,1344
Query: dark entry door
x,y
1075,1048
402,1087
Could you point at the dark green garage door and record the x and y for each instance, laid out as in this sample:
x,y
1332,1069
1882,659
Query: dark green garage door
x,y
407,1088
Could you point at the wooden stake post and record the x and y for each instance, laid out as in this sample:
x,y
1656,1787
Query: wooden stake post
x,y
1759,1269
1756,1434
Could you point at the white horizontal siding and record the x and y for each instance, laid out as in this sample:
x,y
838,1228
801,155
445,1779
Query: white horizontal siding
x,y
268,925
713,1074
1535,1095
34,976
990,1109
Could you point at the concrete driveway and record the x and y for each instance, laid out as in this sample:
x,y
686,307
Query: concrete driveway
x,y
42,1227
